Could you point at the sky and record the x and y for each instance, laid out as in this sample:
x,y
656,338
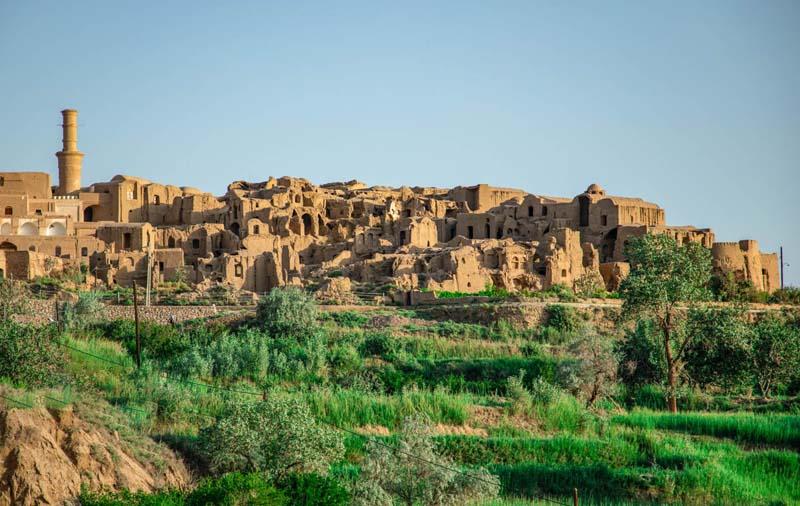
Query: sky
x,y
692,105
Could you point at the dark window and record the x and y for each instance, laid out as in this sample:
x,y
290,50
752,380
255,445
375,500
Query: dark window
x,y
256,229
488,231
126,240
171,242
470,232
32,248
238,270
604,220
9,211
58,251
544,210
583,208
402,237
38,212
156,199
195,243
563,273
161,267
84,252
530,210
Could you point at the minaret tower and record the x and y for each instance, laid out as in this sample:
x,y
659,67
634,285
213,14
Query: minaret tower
x,y
69,158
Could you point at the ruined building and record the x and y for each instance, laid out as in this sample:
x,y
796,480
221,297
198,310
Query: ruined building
x,y
290,231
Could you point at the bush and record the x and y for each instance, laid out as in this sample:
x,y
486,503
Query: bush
x,y
314,490
30,355
350,319
563,318
237,489
415,473
789,295
14,298
83,312
233,489
277,436
288,311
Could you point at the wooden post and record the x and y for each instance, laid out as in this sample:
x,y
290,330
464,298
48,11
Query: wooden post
x,y
575,497
136,322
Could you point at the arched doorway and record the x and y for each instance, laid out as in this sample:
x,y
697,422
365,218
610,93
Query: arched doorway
x,y
88,214
7,246
235,228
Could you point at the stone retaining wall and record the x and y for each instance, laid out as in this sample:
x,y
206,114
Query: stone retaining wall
x,y
43,311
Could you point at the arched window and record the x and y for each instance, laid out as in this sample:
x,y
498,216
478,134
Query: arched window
x,y
84,252
156,199
171,242
235,228
58,251
9,211
256,229
8,246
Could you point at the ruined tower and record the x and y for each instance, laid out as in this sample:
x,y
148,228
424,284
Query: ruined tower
x,y
69,158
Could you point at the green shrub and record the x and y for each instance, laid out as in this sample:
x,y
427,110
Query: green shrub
x,y
30,355
314,490
788,295
563,318
276,436
288,311
237,489
350,319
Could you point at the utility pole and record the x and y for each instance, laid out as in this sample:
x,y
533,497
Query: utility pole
x,y
136,322
781,267
149,277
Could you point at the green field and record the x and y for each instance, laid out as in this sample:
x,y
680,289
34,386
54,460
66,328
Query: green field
x,y
496,397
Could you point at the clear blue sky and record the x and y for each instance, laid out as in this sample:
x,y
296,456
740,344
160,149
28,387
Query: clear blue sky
x,y
693,105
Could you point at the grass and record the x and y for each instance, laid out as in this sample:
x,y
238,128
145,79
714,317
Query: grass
x,y
350,408
763,429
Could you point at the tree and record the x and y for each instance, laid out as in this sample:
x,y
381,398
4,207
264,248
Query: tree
x,y
720,347
14,298
665,275
277,436
414,473
596,371
288,311
775,352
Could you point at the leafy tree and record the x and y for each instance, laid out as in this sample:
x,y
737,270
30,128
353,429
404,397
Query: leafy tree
x,y
775,353
719,348
414,473
596,371
665,275
277,436
288,311
14,298
641,360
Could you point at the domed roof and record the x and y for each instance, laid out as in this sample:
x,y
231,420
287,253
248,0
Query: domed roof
x,y
596,189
